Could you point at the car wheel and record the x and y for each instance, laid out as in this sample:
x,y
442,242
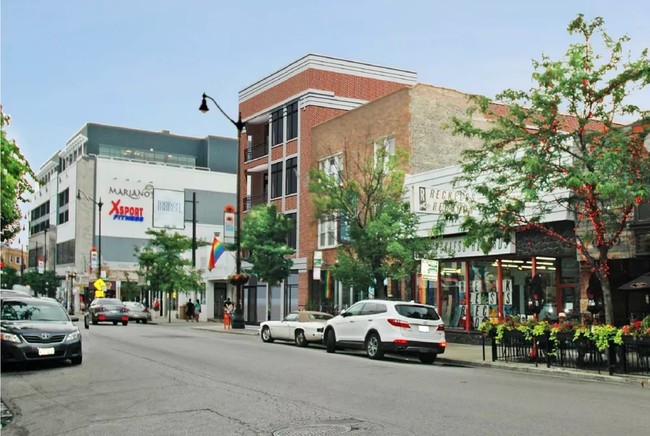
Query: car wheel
x,y
266,334
114,322
137,321
95,322
144,321
125,322
330,341
428,357
301,340
373,346
76,360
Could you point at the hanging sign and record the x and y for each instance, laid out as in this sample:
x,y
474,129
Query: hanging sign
x,y
318,262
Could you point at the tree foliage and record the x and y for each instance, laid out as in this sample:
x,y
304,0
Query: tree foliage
x,y
44,284
9,277
15,183
535,159
161,265
366,196
264,234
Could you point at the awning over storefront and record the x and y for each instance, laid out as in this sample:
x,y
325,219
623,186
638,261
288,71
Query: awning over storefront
x,y
640,283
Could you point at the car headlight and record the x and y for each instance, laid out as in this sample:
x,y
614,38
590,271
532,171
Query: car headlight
x,y
73,336
10,337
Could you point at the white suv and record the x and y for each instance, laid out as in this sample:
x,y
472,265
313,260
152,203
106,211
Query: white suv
x,y
388,326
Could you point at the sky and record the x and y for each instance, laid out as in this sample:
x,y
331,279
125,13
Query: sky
x,y
145,63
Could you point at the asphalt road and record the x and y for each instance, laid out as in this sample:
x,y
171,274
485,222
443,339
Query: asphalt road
x,y
163,380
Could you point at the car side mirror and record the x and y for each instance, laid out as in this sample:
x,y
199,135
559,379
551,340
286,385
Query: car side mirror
x,y
74,319
344,313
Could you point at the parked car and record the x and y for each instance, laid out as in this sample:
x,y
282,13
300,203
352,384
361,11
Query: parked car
x,y
106,310
35,329
388,326
138,312
301,327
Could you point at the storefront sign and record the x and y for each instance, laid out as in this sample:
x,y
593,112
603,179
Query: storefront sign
x,y
125,212
132,193
169,209
229,227
429,269
318,262
452,248
432,200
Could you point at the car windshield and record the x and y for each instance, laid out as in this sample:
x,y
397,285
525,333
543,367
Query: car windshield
x,y
319,316
33,311
417,312
133,305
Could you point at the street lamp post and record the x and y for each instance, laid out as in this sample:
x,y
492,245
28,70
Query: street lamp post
x,y
238,316
99,205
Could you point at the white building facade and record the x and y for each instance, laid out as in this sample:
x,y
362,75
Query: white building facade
x,y
142,180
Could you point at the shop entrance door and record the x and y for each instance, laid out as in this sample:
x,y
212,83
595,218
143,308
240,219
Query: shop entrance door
x,y
219,299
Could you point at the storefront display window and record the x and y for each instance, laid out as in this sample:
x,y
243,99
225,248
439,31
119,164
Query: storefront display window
x,y
483,291
453,304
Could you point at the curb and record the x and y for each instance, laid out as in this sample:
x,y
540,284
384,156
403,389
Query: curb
x,y
633,380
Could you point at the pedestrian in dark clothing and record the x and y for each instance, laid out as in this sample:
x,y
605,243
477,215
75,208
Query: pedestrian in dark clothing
x,y
189,310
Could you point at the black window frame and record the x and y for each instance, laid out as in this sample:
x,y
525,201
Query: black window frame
x,y
291,168
277,131
276,180
292,121
292,237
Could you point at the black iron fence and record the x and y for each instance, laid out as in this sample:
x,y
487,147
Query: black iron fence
x,y
566,351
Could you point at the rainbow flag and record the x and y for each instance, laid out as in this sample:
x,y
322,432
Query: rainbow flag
x,y
215,253
329,284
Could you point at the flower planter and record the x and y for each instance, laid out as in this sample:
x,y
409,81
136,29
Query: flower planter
x,y
238,279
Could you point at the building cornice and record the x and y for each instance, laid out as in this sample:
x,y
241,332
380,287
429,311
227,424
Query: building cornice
x,y
326,63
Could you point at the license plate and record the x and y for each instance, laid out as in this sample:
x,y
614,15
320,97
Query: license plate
x,y
423,328
46,351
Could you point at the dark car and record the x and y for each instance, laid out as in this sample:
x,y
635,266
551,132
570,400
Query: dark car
x,y
138,312
107,310
34,329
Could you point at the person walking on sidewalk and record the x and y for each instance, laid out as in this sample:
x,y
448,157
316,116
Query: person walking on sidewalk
x,y
189,310
197,310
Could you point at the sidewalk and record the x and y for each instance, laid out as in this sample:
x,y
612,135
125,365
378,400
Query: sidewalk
x,y
456,355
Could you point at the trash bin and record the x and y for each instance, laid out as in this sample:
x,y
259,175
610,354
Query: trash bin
x,y
181,311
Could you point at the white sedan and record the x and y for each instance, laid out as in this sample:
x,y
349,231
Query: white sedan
x,y
301,327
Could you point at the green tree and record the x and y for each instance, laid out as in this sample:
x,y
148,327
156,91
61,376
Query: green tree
x,y
44,284
161,265
265,233
534,158
379,237
15,184
9,277
130,289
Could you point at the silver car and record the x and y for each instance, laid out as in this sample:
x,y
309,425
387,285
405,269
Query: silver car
x,y
138,312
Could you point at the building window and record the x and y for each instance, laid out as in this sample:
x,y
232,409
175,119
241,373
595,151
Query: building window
x,y
63,217
64,197
292,121
277,136
327,230
65,252
292,176
276,180
293,232
385,148
333,166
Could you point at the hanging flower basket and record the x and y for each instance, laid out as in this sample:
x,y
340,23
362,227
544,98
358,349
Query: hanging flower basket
x,y
238,279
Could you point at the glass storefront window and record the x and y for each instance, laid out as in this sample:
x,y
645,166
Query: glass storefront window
x,y
483,291
453,303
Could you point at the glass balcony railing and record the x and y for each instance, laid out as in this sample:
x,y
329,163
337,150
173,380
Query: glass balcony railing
x,y
254,200
256,151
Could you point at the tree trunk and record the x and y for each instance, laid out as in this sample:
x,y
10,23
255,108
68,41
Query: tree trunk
x,y
607,300
380,289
